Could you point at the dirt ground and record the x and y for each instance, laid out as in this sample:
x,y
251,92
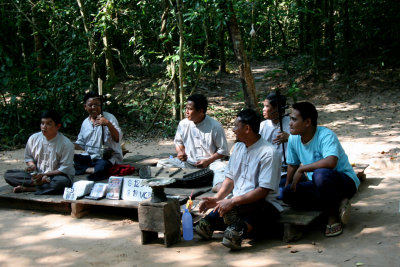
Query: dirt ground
x,y
367,125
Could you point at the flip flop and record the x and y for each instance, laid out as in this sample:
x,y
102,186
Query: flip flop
x,y
333,229
344,211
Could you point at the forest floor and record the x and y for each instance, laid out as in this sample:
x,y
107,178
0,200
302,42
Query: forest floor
x,y
363,111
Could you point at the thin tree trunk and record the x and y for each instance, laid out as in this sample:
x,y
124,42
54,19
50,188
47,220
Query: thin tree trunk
x,y
38,47
23,51
181,71
169,50
221,45
108,56
316,34
346,36
91,43
284,42
300,13
107,49
246,76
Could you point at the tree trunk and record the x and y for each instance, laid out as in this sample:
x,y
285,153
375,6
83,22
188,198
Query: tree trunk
x,y
91,43
308,25
209,29
169,50
300,13
315,35
221,46
246,77
179,5
346,36
284,42
38,44
111,77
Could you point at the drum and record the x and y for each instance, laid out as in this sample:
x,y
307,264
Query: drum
x,y
185,177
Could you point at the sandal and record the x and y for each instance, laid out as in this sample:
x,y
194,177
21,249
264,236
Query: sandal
x,y
333,229
344,211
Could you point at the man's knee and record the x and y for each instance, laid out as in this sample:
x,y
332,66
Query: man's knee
x,y
322,176
102,165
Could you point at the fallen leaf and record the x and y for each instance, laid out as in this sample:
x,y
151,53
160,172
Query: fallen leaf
x,y
294,251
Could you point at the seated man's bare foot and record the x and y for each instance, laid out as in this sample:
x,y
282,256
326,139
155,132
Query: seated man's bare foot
x,y
89,170
18,189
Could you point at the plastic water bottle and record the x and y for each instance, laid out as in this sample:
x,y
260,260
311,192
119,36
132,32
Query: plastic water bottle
x,y
187,225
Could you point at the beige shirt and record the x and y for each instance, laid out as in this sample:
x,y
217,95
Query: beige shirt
x,y
56,154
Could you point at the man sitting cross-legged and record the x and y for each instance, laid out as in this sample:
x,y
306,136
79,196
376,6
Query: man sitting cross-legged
x,y
49,159
200,141
319,174
96,126
252,176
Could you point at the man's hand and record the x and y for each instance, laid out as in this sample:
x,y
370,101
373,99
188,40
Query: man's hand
x,y
182,156
101,120
223,206
207,203
282,137
30,168
204,163
296,178
40,178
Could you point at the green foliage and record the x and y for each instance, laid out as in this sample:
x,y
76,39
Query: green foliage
x,y
294,92
45,60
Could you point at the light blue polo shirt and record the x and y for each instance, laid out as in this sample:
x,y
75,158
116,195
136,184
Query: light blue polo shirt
x,y
323,144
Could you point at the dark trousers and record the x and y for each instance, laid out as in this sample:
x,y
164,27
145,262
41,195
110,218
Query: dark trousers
x,y
262,216
20,177
101,167
324,192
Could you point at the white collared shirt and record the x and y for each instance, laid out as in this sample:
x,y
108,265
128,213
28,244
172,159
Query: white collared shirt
x,y
269,131
51,155
201,140
256,166
89,139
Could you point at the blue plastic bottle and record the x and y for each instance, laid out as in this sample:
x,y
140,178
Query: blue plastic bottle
x,y
187,225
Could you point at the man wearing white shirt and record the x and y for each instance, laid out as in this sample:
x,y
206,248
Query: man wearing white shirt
x,y
96,126
200,141
252,179
49,160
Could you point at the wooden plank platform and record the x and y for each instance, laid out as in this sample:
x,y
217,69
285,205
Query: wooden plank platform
x,y
30,201
78,208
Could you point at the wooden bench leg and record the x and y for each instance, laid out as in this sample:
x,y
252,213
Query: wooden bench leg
x,y
79,210
291,233
171,238
148,236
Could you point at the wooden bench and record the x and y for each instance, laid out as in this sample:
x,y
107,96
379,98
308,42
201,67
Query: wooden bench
x,y
294,221
81,207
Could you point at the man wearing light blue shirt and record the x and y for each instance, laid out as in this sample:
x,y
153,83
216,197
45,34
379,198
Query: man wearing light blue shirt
x,y
319,173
